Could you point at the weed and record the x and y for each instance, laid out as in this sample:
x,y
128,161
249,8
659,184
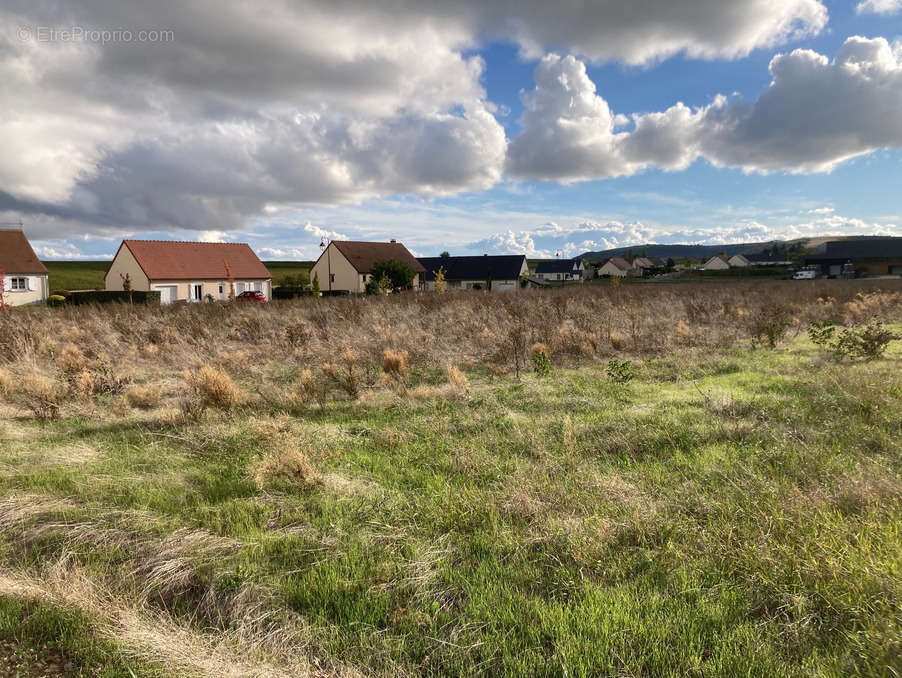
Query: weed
x,y
541,363
620,371
209,387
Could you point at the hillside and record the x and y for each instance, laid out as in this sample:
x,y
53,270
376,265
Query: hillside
x,y
682,251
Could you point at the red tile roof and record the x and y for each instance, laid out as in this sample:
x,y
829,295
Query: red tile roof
x,y
170,260
16,255
363,255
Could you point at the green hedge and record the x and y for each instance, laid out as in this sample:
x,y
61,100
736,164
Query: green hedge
x,y
112,296
290,292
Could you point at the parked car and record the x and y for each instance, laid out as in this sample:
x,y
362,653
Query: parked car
x,y
251,295
804,274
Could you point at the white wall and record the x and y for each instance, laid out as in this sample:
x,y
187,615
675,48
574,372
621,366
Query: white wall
x,y
36,292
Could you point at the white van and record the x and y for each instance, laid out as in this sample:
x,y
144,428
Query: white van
x,y
805,274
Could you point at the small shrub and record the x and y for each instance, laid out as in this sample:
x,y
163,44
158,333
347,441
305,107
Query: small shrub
x,y
821,332
56,300
458,380
620,371
286,462
6,382
71,360
297,335
210,387
868,342
541,363
40,395
143,397
394,370
346,373
308,388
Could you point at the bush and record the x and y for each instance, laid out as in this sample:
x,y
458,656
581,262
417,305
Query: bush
x,y
620,371
40,395
286,462
868,342
210,387
290,292
113,296
821,333
56,300
541,363
399,274
143,397
345,373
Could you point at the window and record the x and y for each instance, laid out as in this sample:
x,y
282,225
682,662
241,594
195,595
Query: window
x,y
18,284
221,288
331,277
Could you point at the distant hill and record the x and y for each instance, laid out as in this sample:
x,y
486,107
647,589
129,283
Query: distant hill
x,y
708,251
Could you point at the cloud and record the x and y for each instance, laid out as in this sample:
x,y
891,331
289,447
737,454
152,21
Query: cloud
x,y
245,108
590,236
879,7
814,115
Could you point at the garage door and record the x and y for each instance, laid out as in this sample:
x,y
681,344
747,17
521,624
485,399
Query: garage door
x,y
895,270
168,293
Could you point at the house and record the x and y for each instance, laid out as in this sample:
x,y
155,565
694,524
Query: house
x,y
620,267
494,273
717,263
560,269
768,259
643,263
347,266
871,256
738,261
188,271
24,276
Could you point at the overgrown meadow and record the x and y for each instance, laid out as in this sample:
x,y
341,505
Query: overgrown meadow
x,y
626,481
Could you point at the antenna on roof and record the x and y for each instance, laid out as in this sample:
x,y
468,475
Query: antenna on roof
x,y
12,223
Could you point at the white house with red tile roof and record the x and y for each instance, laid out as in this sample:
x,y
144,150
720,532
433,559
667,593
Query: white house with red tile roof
x,y
24,277
188,271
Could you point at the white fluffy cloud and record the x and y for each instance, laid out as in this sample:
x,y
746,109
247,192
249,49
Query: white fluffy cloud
x,y
243,107
815,114
571,240
879,6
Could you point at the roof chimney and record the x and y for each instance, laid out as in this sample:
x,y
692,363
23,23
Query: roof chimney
x,y
485,254
393,240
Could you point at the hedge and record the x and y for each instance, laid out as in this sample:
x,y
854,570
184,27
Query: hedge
x,y
113,296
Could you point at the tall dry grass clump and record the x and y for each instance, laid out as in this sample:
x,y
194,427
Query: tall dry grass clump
x,y
39,394
458,380
346,372
6,382
285,461
394,370
210,387
143,397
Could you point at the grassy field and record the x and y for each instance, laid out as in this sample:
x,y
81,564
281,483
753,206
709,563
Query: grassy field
x,y
712,508
77,275
88,275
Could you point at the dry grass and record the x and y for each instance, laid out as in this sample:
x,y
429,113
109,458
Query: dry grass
x,y
286,461
210,387
94,352
154,638
143,397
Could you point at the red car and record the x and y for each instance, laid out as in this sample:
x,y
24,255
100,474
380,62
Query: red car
x,y
251,295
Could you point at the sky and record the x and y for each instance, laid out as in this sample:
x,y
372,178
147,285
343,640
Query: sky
x,y
476,126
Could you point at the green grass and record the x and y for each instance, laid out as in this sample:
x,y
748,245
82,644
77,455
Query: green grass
x,y
89,275
726,513
77,275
